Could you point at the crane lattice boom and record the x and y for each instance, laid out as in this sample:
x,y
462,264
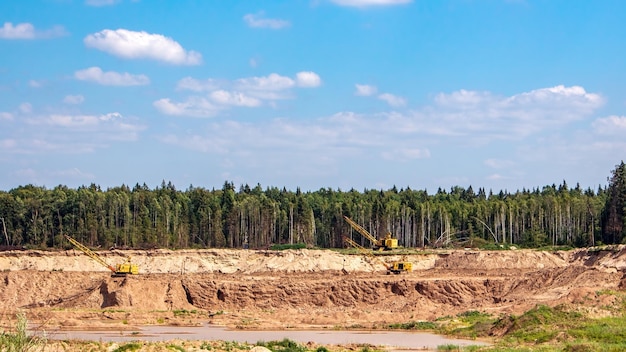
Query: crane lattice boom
x,y
90,253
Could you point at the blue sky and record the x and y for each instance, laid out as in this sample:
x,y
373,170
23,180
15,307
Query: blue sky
x,y
364,94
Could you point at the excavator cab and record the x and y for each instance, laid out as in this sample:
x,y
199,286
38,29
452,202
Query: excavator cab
x,y
126,268
400,267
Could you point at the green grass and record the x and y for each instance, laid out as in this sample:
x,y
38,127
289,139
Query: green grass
x,y
184,312
414,325
448,347
129,347
175,348
543,328
19,340
282,247
285,345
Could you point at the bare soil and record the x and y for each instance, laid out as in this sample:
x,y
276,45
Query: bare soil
x,y
297,289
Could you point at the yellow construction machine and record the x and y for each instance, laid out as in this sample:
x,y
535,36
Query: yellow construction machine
x,y
386,243
123,269
393,268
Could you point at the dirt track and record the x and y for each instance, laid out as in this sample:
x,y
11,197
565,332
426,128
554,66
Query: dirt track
x,y
296,289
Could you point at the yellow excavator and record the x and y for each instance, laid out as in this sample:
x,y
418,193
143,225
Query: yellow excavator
x,y
393,268
386,243
123,269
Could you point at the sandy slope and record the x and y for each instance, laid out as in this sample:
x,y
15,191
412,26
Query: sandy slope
x,y
292,289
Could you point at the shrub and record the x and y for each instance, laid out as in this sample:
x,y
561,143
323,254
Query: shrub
x,y
19,341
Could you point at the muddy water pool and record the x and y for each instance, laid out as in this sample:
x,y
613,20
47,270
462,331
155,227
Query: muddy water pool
x,y
392,339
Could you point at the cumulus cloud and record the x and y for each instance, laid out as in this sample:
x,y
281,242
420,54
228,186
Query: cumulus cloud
x,y
234,98
111,78
392,100
308,79
189,83
257,21
365,90
142,45
110,126
220,95
193,106
65,133
547,98
451,126
612,125
519,115
367,3
7,116
273,82
73,99
28,31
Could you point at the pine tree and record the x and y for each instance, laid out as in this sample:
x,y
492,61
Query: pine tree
x,y
613,227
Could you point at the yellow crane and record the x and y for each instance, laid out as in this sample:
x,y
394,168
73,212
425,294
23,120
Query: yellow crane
x,y
119,269
394,267
386,243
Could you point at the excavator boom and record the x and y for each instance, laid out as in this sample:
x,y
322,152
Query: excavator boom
x,y
386,243
89,252
361,230
119,270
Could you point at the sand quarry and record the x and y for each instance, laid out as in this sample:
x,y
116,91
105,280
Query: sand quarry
x,y
297,289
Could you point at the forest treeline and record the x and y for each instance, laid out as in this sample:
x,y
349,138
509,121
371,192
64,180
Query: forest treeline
x,y
253,217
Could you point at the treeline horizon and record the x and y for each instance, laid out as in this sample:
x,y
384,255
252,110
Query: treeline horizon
x,y
252,217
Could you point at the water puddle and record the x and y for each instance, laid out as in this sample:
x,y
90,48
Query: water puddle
x,y
392,339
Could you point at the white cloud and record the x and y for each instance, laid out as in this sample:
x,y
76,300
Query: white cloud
x,y
496,177
194,106
485,115
365,90
558,96
21,31
71,133
234,98
35,84
195,85
73,99
78,121
495,129
392,100
99,3
26,108
498,163
612,125
245,92
142,45
406,154
74,173
257,21
72,120
463,98
6,116
273,82
27,31
111,78
366,3
308,79
7,144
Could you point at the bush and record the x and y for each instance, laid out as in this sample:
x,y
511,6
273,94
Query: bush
x,y
282,247
133,346
19,341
